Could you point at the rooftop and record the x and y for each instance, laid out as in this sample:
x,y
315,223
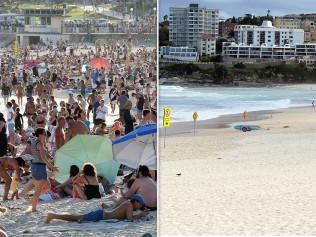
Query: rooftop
x,y
207,37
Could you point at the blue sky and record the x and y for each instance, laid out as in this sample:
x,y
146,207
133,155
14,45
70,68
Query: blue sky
x,y
230,8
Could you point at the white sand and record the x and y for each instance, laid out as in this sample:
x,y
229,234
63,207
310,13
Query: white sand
x,y
264,183
18,222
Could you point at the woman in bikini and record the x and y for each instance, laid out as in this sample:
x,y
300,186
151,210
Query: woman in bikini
x,y
85,183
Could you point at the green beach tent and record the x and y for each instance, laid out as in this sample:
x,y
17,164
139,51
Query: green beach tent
x,y
86,148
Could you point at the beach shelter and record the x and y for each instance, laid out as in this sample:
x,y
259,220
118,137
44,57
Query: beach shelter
x,y
87,148
16,48
98,62
137,148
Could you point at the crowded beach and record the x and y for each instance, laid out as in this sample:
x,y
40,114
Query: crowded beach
x,y
71,119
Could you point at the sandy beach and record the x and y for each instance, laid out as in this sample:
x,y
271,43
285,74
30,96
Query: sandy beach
x,y
33,224
235,183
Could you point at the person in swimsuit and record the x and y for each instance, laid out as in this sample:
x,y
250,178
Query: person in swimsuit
x,y
11,164
3,136
91,100
123,212
20,93
86,184
39,164
67,186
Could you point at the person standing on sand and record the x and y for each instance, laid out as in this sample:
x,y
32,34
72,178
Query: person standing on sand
x,y
38,167
128,118
313,104
3,136
60,137
20,93
122,212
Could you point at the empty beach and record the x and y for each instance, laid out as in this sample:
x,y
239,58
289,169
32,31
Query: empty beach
x,y
228,182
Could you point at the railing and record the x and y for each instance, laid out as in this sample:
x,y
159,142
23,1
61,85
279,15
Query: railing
x,y
93,29
41,29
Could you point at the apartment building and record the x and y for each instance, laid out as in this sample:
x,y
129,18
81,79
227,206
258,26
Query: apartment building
x,y
187,25
207,45
264,51
307,22
267,34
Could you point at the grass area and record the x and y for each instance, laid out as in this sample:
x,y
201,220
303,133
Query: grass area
x,y
75,13
39,5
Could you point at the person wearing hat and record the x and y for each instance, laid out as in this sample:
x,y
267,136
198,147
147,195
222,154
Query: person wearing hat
x,y
122,212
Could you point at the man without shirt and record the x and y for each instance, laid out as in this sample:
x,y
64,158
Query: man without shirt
x,y
122,212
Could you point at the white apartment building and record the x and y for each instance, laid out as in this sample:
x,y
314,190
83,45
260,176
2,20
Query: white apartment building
x,y
178,53
207,45
268,35
268,52
187,25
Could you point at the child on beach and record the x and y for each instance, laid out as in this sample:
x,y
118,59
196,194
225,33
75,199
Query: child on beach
x,y
14,189
7,164
122,212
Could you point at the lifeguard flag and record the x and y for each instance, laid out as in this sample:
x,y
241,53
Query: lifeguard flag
x,y
16,48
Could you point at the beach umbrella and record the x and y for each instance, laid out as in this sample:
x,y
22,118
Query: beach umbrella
x,y
98,62
87,148
137,148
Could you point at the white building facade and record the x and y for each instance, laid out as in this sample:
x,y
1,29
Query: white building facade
x,y
178,53
42,25
207,45
187,25
285,52
268,35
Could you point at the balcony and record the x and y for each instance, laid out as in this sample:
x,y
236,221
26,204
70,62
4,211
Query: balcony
x,y
38,29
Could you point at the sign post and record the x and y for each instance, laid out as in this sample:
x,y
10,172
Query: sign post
x,y
245,115
195,117
166,121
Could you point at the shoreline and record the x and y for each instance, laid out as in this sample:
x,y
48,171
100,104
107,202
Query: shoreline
x,y
171,82
223,121
241,183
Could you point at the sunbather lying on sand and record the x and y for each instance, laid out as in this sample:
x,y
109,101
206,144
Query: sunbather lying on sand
x,y
122,212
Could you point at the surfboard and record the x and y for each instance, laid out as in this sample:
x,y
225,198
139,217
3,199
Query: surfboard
x,y
247,128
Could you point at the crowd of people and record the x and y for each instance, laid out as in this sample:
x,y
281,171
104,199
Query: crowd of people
x,y
54,93
141,25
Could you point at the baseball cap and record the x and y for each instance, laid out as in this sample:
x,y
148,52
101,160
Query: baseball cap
x,y
138,198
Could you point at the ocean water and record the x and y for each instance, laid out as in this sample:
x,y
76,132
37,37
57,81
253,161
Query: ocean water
x,y
212,102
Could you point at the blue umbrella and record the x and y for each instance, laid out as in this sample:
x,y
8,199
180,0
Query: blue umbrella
x,y
137,148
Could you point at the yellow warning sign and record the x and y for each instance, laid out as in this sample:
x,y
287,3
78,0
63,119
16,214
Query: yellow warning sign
x,y
195,116
166,117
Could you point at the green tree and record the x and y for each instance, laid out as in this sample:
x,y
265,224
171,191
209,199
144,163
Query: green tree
x,y
220,72
219,45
